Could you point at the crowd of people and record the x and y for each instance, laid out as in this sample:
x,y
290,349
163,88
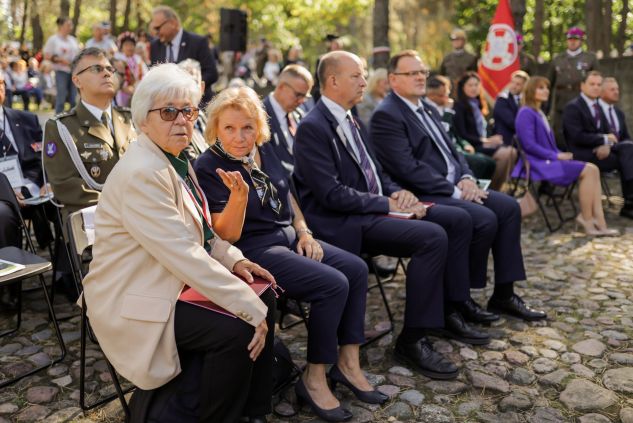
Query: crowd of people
x,y
203,191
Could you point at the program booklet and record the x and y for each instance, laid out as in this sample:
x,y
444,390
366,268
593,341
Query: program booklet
x,y
8,267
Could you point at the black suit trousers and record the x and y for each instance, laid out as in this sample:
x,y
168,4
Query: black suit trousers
x,y
621,159
496,226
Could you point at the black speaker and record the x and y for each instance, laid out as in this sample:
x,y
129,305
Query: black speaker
x,y
233,30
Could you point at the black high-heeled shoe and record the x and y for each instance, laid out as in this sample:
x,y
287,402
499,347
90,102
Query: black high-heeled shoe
x,y
369,397
338,414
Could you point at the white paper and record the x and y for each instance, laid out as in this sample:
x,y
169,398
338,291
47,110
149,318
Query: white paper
x,y
8,267
10,166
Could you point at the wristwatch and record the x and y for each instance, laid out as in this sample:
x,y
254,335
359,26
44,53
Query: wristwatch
x,y
470,177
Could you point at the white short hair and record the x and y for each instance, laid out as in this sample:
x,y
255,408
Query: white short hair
x,y
192,67
165,81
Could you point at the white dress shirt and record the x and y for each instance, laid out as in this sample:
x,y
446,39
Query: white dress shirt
x,y
609,110
175,46
97,112
280,115
590,104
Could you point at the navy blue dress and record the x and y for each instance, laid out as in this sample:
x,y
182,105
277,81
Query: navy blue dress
x,y
336,287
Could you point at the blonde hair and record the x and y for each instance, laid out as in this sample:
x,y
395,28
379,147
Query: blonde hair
x,y
376,76
243,99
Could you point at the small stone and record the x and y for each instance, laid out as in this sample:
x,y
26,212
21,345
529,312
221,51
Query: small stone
x,y
515,402
42,335
570,358
41,394
446,386
550,333
33,413
555,345
582,395
375,355
40,359
442,347
468,353
548,353
491,356
466,408
402,371
555,379
62,381
593,418
10,349
597,363
497,345
614,334
57,370
30,350
435,414
516,357
389,390
544,365
401,381
8,408
488,382
375,379
529,350
582,370
413,397
521,376
69,337
626,415
547,415
401,410
15,369
65,415
508,417
590,347
621,358
619,380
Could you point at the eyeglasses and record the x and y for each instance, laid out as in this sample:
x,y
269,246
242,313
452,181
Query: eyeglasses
x,y
157,28
422,72
170,113
97,69
298,94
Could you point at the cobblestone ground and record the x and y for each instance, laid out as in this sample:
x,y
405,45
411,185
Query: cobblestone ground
x,y
575,367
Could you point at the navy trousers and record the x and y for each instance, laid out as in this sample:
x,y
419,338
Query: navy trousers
x,y
496,225
336,289
427,244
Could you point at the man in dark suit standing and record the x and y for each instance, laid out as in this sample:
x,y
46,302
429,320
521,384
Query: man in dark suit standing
x,y
591,137
173,45
507,106
282,106
346,199
416,151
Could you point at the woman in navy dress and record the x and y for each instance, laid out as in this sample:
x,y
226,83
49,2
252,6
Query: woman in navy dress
x,y
252,206
470,124
548,163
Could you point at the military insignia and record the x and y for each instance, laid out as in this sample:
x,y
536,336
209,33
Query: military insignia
x,y
85,155
95,171
92,145
36,146
104,154
51,148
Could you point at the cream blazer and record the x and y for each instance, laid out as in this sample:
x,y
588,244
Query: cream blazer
x,y
148,245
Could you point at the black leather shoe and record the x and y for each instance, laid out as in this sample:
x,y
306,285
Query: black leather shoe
x,y
421,355
369,397
626,212
456,328
338,414
515,306
473,312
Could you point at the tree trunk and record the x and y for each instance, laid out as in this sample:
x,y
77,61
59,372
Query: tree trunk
x,y
36,26
607,34
25,12
126,16
140,23
593,18
381,33
620,40
113,15
76,14
518,13
537,31
64,8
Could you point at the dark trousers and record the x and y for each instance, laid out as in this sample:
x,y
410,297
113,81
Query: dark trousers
x,y
336,289
495,225
620,159
427,244
10,232
229,384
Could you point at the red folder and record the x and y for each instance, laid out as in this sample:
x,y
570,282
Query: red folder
x,y
191,296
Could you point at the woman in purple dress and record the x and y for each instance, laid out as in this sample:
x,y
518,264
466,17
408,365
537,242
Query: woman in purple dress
x,y
547,163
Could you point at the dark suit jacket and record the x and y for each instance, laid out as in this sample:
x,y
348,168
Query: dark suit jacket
x,y
623,133
504,113
581,133
408,152
331,184
466,125
27,133
277,139
192,46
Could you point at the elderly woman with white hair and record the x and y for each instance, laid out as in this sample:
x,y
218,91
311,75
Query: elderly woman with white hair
x,y
154,239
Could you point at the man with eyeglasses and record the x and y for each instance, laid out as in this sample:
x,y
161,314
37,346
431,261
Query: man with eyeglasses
x,y
173,45
417,153
283,107
82,145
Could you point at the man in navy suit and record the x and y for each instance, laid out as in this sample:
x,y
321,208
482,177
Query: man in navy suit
x,y
416,151
609,98
346,199
282,106
592,139
507,106
173,44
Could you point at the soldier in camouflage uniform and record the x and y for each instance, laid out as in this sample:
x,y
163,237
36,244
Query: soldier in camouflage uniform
x,y
82,145
567,71
459,61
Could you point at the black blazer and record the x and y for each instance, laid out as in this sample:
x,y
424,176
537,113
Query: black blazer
x,y
407,151
466,125
192,46
277,138
580,130
504,113
331,185
27,133
623,133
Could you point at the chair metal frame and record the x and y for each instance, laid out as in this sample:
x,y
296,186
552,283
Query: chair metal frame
x,y
556,195
78,240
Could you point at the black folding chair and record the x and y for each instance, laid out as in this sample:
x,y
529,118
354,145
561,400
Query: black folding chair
x,y
555,195
79,240
34,266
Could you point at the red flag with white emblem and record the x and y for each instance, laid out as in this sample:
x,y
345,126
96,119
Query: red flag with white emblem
x,y
501,53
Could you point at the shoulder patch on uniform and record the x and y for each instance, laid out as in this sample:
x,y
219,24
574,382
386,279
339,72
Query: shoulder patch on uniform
x,y
51,148
64,114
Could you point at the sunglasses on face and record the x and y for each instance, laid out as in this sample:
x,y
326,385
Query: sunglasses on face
x,y
170,113
97,69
